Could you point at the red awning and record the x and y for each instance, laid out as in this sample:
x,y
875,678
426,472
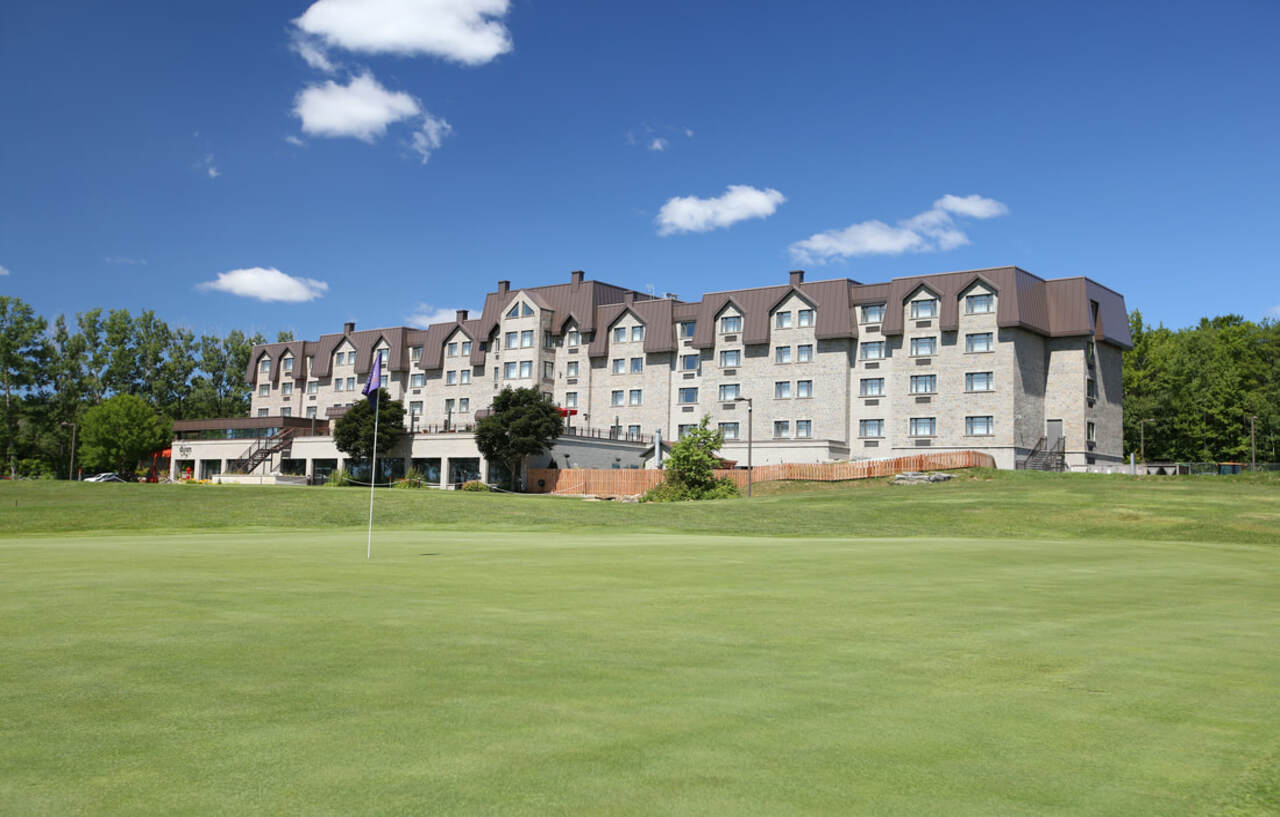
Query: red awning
x,y
564,412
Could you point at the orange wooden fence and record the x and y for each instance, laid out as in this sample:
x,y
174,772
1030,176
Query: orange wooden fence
x,y
628,482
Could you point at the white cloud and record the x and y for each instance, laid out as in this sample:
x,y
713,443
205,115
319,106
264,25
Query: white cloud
x,y
465,31
214,172
208,166
690,214
430,135
933,230
312,52
361,109
688,132
659,144
3,271
295,141
425,315
265,284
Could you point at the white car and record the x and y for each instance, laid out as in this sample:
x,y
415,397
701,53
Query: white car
x,y
109,476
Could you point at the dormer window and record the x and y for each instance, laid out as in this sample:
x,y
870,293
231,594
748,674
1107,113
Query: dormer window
x,y
466,347
514,312
731,323
620,334
924,308
288,365
452,350
805,317
415,353
979,304
265,366
686,329
637,334
873,313
573,338
783,320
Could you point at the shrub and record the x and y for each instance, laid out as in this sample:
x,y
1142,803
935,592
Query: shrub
x,y
339,478
691,469
413,479
475,486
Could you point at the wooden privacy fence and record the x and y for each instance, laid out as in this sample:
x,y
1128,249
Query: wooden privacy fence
x,y
628,482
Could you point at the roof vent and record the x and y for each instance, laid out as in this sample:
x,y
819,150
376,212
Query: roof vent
x,y
348,327
671,296
576,277
797,277
462,315
503,287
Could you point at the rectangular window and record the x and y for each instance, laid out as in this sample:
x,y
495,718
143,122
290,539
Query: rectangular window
x,y
1091,431
924,309
548,341
617,397
923,426
464,376
731,323
337,384
448,406
804,428
311,412
782,390
526,369
415,353
924,346
548,370
351,384
262,412
287,411
512,340
806,317
729,431
620,334
264,390
687,328
873,350
782,428
637,365
689,362
573,338
688,395
265,366
731,357
1090,388
342,358
466,347
980,342
873,313
382,382
684,429
313,386
451,350
871,428
509,371
636,397
978,381
526,339
288,365
417,381
924,383
729,391
464,404
783,320
804,353
571,399
450,378
871,387
619,365
637,334
782,354
415,408
633,432
571,369
385,354
979,304
804,388
286,388
979,426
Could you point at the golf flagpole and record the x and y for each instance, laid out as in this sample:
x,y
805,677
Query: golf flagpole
x,y
371,390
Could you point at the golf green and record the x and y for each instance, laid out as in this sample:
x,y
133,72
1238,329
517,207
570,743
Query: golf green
x,y
606,673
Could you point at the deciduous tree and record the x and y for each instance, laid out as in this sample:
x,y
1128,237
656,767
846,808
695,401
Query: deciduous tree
x,y
522,423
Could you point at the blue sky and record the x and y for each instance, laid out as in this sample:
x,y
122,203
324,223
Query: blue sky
x,y
150,148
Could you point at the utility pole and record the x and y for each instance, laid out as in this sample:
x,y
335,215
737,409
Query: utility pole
x,y
71,468
1142,426
1253,445
750,470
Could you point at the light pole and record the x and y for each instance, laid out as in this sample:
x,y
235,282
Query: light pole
x,y
71,468
1253,445
747,400
1142,428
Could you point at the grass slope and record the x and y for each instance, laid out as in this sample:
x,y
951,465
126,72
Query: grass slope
x,y
1026,505
535,674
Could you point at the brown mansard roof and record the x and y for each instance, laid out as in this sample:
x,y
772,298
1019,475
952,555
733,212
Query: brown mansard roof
x,y
1054,308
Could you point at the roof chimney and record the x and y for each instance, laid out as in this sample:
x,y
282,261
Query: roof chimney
x,y
348,327
629,298
576,277
503,287
462,315
797,277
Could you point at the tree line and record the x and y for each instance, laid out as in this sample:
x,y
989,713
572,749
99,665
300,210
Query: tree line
x,y
1197,388
55,372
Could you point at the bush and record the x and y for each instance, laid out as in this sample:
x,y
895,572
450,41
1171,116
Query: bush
x,y
413,479
340,478
475,486
668,491
691,469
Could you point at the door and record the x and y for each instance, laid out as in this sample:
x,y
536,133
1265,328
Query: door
x,y
1052,431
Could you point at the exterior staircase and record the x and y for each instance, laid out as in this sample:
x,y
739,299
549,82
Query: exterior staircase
x,y
262,450
1046,457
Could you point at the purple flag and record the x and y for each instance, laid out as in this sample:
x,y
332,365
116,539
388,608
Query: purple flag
x,y
370,389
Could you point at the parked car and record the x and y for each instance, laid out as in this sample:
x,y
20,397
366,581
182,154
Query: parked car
x,y
109,476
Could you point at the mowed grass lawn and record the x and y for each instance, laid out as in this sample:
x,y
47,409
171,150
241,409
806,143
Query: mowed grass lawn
x,y
230,651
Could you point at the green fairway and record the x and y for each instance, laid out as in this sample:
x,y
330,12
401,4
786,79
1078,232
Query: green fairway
x,y
528,666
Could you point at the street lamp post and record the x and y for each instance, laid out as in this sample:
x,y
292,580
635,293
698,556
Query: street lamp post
x,y
750,470
1253,445
71,468
1142,428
